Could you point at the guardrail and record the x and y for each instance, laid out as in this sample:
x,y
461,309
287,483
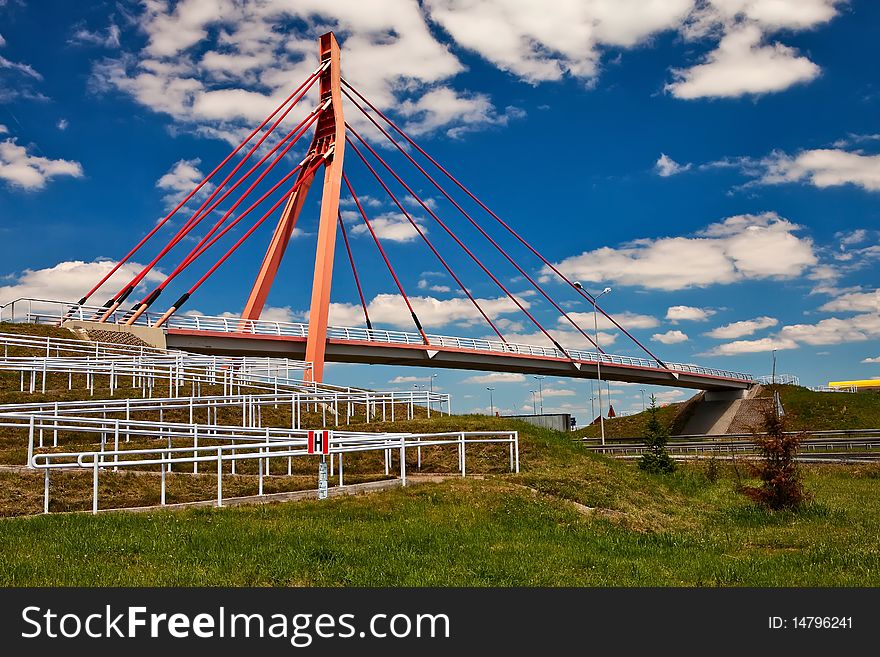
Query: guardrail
x,y
835,440
36,310
240,445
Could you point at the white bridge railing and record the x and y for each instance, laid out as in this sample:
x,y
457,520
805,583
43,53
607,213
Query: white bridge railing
x,y
50,312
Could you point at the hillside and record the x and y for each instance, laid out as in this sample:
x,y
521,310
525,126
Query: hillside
x,y
570,518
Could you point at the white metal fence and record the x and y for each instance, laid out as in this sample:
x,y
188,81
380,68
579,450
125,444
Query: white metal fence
x,y
50,312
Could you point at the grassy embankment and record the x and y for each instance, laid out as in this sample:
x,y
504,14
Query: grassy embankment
x,y
570,518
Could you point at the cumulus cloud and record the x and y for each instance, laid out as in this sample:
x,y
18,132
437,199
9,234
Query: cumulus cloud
x,y
677,314
627,320
742,247
833,330
22,169
392,227
410,379
391,310
665,166
751,346
180,180
822,167
872,360
496,377
743,64
670,337
856,302
69,280
742,328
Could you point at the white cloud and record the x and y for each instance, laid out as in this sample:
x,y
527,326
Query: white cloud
x,y
854,302
677,314
822,167
392,227
742,247
427,285
742,328
62,124
670,337
665,166
109,38
872,360
496,377
627,320
538,43
180,180
25,69
833,330
390,309
558,392
410,379
68,281
19,168
444,106
751,346
743,64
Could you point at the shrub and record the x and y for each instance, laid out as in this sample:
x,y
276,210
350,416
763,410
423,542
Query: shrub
x,y
781,486
655,459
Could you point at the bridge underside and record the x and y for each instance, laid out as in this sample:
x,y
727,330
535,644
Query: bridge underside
x,y
346,351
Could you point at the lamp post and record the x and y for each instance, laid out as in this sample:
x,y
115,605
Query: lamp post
x,y
540,392
433,376
593,300
491,403
642,390
534,403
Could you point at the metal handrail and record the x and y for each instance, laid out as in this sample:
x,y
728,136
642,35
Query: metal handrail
x,y
300,330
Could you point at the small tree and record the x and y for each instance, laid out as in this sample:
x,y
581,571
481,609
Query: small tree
x,y
781,486
656,459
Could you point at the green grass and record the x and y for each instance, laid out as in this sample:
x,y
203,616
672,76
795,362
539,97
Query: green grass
x,y
815,411
569,518
626,529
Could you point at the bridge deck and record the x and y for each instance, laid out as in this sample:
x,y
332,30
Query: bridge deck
x,y
343,350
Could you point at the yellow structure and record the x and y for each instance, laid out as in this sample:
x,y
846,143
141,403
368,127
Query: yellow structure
x,y
863,384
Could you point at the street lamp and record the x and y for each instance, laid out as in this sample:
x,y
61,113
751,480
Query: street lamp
x,y
534,403
642,390
433,376
540,392
491,403
593,300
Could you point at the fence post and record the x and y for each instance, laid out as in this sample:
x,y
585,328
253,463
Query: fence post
x,y
219,476
116,444
95,484
162,495
30,455
260,464
402,461
516,449
46,491
462,455
195,448
340,468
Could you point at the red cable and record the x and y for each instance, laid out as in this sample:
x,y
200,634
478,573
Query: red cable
x,y
475,224
458,241
195,254
501,221
196,251
357,280
301,127
427,241
385,258
199,214
251,230
189,196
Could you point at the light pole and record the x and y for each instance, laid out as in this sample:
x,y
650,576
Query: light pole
x,y
433,376
534,403
540,392
491,403
598,355
642,390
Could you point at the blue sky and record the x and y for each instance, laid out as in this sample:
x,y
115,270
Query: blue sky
x,y
716,163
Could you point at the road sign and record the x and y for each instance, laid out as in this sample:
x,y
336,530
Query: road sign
x,y
319,442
